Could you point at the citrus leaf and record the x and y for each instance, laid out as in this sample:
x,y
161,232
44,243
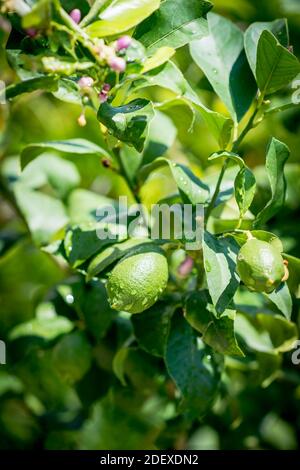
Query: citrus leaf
x,y
121,15
71,146
151,328
114,253
171,78
128,123
244,188
276,66
278,27
220,267
217,332
164,28
281,297
191,188
222,58
277,155
193,368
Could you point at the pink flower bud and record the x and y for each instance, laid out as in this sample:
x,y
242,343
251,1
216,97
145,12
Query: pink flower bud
x,y
103,96
123,43
86,82
186,267
75,15
31,32
118,64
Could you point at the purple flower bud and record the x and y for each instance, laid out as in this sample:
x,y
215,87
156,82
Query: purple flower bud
x,y
75,15
103,96
123,43
86,82
118,64
186,267
106,87
31,32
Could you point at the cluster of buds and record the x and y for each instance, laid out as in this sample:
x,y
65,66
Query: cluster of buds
x,y
109,53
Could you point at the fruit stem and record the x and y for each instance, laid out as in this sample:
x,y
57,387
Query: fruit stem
x,y
235,148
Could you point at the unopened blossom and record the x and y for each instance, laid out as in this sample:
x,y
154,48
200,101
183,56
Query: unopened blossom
x,y
86,82
118,64
81,120
123,43
75,15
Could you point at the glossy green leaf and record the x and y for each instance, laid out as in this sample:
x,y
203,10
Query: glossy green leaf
x,y
277,155
71,146
191,189
193,368
162,55
278,27
121,15
170,77
222,58
46,83
82,241
128,123
164,28
220,267
281,297
244,188
151,328
230,155
217,332
276,66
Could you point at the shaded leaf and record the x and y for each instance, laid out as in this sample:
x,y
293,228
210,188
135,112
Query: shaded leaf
x,y
222,58
151,328
129,122
46,325
277,155
193,368
217,332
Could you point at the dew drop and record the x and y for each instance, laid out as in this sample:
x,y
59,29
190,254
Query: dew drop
x,y
69,299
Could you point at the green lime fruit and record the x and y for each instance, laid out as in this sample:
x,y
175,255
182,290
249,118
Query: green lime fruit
x,y
136,282
260,266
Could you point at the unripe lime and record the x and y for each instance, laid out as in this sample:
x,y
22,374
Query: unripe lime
x,y
260,266
136,282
